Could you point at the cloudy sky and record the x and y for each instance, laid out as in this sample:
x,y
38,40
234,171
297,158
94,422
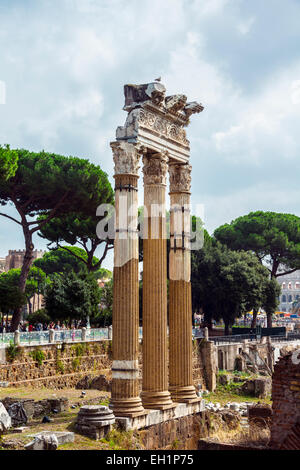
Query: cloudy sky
x,y
64,63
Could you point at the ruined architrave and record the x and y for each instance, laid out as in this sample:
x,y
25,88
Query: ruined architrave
x,y
155,129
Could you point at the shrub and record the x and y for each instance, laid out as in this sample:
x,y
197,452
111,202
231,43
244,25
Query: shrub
x,y
38,356
13,351
76,363
40,316
79,349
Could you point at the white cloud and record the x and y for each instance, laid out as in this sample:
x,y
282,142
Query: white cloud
x,y
267,196
209,8
189,71
245,26
265,127
295,92
2,92
64,63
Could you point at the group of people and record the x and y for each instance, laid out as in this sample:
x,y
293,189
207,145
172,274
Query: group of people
x,y
5,326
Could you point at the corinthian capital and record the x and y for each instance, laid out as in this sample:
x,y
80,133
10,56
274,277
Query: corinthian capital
x,y
155,168
180,177
126,158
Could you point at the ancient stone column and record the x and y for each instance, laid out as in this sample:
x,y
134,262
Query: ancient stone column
x,y
155,392
125,398
180,298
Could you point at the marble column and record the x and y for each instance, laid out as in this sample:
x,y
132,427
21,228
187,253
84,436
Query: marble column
x,y
180,297
125,398
155,392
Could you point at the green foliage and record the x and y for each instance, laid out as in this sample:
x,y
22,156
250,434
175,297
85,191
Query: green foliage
x,y
104,402
231,387
48,185
38,356
13,351
226,283
80,349
64,259
272,291
11,296
175,444
40,316
76,363
273,237
122,440
72,297
104,316
8,162
242,374
59,365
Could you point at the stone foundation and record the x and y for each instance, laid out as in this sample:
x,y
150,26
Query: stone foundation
x,y
88,365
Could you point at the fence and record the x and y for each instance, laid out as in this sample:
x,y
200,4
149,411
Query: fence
x,y
231,339
54,336
289,337
99,334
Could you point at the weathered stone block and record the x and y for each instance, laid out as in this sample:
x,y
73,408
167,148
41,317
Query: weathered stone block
x,y
5,419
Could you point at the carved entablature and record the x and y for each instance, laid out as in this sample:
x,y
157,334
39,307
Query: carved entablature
x,y
155,168
126,158
180,178
157,121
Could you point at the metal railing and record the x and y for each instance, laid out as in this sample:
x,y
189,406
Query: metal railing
x,y
289,337
231,339
28,338
34,337
99,334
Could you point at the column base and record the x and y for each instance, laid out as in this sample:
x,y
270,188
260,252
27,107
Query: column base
x,y
157,400
127,407
184,394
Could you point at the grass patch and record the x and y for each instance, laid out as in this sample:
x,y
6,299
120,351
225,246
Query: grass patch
x,y
122,440
229,393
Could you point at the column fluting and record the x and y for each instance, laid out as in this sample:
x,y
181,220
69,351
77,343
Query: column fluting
x,y
155,392
125,399
180,296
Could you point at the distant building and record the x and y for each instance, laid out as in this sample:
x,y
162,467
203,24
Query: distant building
x,y
15,258
2,265
290,291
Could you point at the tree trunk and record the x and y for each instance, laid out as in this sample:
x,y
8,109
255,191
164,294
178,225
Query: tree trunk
x,y
269,320
29,307
254,318
227,331
27,262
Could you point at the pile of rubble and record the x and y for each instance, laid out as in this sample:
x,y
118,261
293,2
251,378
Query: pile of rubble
x,y
241,408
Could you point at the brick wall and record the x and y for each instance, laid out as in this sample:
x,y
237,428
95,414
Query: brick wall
x,y
285,429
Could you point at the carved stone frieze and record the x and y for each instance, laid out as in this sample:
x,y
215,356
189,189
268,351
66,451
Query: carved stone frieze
x,y
155,168
164,126
180,177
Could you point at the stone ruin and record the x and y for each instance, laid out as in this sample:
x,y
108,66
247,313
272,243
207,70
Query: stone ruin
x,y
154,132
94,421
285,428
